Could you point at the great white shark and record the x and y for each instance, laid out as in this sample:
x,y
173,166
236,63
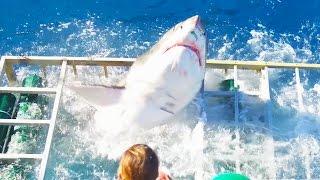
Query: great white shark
x,y
159,84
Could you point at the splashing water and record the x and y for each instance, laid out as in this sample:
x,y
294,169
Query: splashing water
x,y
192,145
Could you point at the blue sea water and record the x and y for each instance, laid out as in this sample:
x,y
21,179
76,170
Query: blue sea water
x,y
27,25
269,30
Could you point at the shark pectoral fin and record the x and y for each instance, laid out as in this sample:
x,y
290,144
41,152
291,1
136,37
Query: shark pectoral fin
x,y
98,96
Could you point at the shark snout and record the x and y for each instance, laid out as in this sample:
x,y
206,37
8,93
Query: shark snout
x,y
198,24
196,21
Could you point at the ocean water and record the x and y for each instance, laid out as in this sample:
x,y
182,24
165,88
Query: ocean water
x,y
196,145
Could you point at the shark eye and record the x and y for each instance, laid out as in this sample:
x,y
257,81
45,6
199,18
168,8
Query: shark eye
x,y
181,27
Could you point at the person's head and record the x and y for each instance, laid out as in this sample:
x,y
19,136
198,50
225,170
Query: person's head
x,y
139,162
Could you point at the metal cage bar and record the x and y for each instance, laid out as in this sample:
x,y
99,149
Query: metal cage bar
x,y
109,61
299,89
20,156
265,94
53,120
23,122
2,63
236,117
29,90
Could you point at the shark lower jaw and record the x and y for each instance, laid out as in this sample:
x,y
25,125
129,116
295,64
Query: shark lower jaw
x,y
193,48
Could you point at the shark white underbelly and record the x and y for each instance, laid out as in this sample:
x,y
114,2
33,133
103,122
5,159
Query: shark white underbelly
x,y
150,100
159,84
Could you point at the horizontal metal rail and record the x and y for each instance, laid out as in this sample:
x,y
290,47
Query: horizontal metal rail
x,y
257,65
23,122
56,60
247,157
28,90
223,64
20,156
220,93
230,93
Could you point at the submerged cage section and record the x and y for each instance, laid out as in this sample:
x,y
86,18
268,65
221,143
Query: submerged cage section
x,y
29,108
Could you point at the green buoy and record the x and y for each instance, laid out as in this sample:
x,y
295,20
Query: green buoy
x,y
228,85
7,101
230,176
28,107
30,81
23,139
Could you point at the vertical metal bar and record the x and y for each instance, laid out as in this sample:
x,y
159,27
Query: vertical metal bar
x,y
105,71
2,63
53,120
302,109
10,73
44,70
236,106
74,67
299,89
265,95
269,144
236,117
6,142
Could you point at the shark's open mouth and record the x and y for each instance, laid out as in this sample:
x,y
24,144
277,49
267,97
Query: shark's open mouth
x,y
190,47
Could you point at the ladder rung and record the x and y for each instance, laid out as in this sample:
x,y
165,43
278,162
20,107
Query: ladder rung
x,y
219,93
252,93
242,157
231,93
20,156
28,90
23,122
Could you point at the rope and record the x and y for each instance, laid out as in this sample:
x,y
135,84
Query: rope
x,y
1,111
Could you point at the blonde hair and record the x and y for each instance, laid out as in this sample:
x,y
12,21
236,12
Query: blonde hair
x,y
139,162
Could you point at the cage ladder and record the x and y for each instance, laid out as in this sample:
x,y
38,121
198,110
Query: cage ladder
x,y
43,157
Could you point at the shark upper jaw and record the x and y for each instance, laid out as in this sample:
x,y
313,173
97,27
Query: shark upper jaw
x,y
191,47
